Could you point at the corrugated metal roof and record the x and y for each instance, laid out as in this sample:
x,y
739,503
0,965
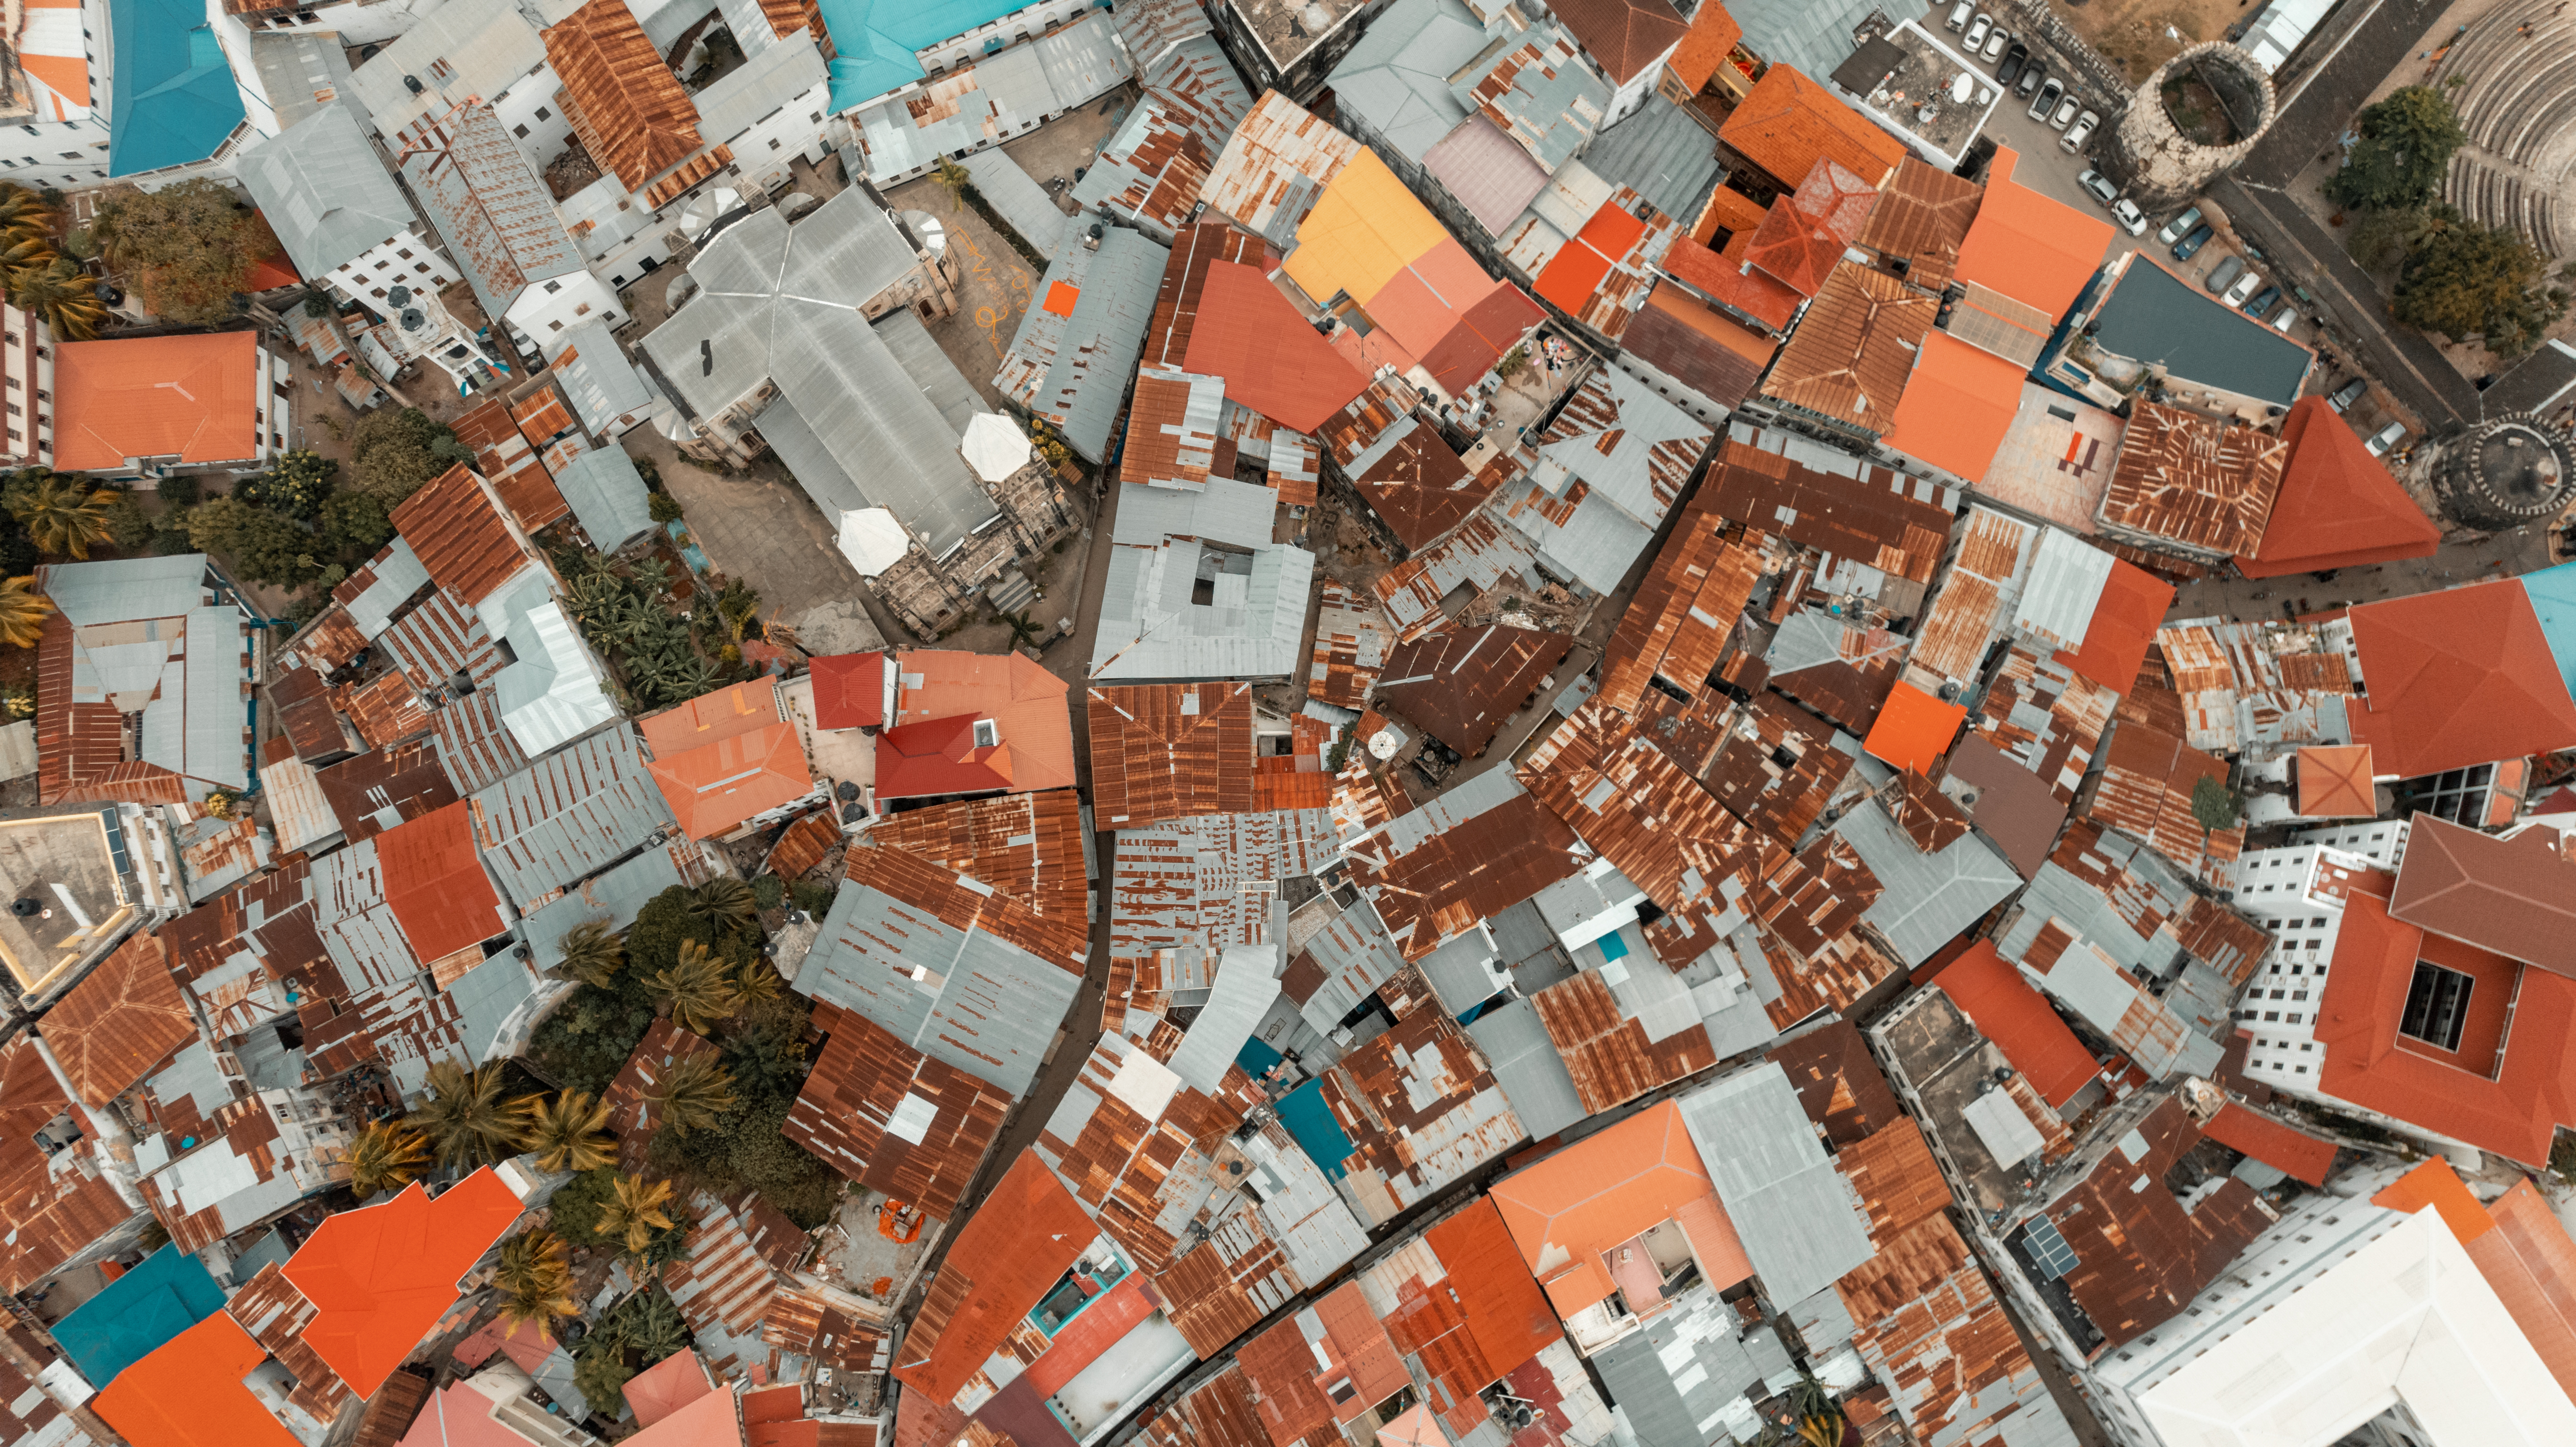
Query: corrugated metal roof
x,y
888,1117
1396,80
1660,152
569,815
497,218
376,592
1926,901
1536,85
624,103
1245,981
602,384
1274,166
1475,851
1673,1377
2148,779
324,190
1029,846
470,51
1854,349
1078,342
1152,624
1167,751
773,76
1982,587
1799,1220
120,1021
607,495
2185,480
1479,555
456,528
375,791
1420,1109
1609,468
1008,188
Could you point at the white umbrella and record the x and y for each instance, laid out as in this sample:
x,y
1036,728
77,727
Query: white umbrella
x,y
872,540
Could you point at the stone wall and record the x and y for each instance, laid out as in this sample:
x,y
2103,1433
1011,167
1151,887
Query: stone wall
x,y
2154,161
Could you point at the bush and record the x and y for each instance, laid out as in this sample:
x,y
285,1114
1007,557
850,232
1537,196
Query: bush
x,y
355,525
188,248
577,1203
585,1042
295,488
127,524
666,508
397,449
177,492
264,547
813,896
769,891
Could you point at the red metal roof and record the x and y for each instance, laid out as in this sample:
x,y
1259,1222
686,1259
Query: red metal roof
x,y
2457,678
1788,122
436,885
931,748
1729,278
1914,729
1506,1314
189,1393
1270,357
2282,1147
384,1274
2125,620
850,690
2006,1010
1576,271
2338,507
1025,1234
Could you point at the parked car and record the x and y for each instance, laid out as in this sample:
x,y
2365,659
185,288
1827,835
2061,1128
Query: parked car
x,y
2287,315
2350,392
2099,187
1995,44
2031,75
2015,59
2065,112
1978,30
2244,287
2385,438
2263,302
2049,95
2224,274
2078,133
2178,227
1959,14
2189,246
2131,219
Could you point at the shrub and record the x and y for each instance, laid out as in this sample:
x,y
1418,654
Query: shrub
x,y
666,508
813,896
178,491
769,891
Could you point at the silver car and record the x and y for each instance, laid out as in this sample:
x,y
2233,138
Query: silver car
x,y
1978,30
1995,44
2179,227
2078,133
2223,275
2066,112
1959,14
2385,438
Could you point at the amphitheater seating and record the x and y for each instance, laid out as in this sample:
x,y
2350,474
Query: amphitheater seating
x,y
2516,98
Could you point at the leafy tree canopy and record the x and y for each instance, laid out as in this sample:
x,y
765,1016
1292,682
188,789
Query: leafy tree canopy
x,y
296,487
188,248
2465,280
394,450
267,548
2405,149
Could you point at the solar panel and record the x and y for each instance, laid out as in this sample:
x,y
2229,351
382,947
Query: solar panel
x,y
2049,1249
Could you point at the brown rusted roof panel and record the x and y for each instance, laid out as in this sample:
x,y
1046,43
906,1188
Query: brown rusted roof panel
x,y
121,1021
1460,684
2192,481
1841,1088
1164,751
627,106
1028,846
457,531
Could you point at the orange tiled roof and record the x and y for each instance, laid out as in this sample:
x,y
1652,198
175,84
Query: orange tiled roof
x,y
712,718
189,1393
1713,36
384,1274
716,786
1789,122
624,102
1606,1188
193,397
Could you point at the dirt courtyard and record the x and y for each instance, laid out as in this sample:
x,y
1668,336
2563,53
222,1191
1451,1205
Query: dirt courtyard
x,y
2143,34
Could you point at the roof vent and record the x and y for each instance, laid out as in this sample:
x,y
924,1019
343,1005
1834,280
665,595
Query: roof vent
x,y
413,319
706,357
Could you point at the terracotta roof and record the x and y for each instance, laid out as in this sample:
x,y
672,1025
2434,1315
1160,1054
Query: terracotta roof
x,y
196,397
2125,619
456,529
436,885
1853,351
665,1387
1010,1252
1460,684
1571,1208
2282,1147
929,748
2338,507
2531,1263
2007,1011
1727,210
1624,36
1247,332
1922,217
1164,751
2334,782
886,1116
121,1021
1914,729
2036,250
2193,482
711,718
1959,405
1838,1083
716,786
384,1274
2514,896
1793,247
1028,846
2457,678
628,108
1713,35
2435,1184
1730,279
1788,122
190,1393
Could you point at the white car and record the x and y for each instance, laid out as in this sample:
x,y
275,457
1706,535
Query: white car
x,y
1978,30
1995,44
2099,187
2131,219
2078,133
2245,287
2385,438
2066,112
1959,14
2282,319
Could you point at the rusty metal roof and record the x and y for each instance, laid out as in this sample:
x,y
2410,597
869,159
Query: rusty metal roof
x,y
1842,1090
1480,554
487,202
302,703
1181,893
1880,518
1218,1412
628,108
1028,846
51,1205
1987,575
2148,778
1678,624
1460,684
1420,1107
122,1020
828,1327
1352,637
1854,349
376,791
1611,1056
803,845
569,815
2045,717
1927,815
1777,765
1169,751
1176,303
385,708
1274,166
2189,482
888,1117
1922,215
724,1282
1463,857
518,475
1136,1147
631,1117
456,527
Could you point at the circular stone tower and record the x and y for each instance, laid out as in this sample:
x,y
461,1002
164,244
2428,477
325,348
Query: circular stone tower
x,y
2195,117
2504,473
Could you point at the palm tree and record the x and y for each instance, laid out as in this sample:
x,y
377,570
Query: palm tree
x,y
535,1279
467,1120
727,904
384,1155
758,983
695,1093
635,1212
956,178
23,611
63,514
61,293
1024,630
592,953
569,1133
655,1329
697,991
24,214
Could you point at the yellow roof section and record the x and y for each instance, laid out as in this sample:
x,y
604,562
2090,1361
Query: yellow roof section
x,y
1364,229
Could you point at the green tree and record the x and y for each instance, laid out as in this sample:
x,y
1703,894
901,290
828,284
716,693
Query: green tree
x,y
62,512
814,896
61,293
769,891
2465,280
697,991
394,450
576,1204
728,904
295,487
592,952
467,1119
635,1212
2380,240
354,525
694,1094
2404,151
385,1155
2215,805
535,1279
570,1133
126,524
265,547
663,507
599,1370
179,490
188,248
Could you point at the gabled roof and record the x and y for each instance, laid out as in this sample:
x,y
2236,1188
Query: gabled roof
x,y
628,108
1958,405
1923,217
930,747
382,1275
665,1387
1568,1209
1914,729
436,885
1271,360
1164,751
2036,250
2457,678
713,787
192,396
323,190
480,193
1022,1237
457,530
2514,896
1731,279
2204,486
1713,36
2006,1010
120,1021
1625,36
2125,619
884,1115
2338,507
190,1393
1462,683
852,690
2282,1147
138,1313
1854,350
1396,80
1788,122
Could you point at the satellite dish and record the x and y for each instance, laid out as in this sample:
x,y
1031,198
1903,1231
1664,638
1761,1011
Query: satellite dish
x,y
1962,88
1384,743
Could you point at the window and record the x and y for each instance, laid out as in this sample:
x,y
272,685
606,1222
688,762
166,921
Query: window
x,y
404,253
520,131
2437,1006
554,326
544,115
988,734
553,286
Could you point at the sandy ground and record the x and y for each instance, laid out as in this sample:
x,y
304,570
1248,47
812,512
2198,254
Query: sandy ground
x,y
2143,34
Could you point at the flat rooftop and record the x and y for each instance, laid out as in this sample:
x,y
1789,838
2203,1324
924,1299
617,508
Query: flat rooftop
x,y
1289,28
66,864
1911,78
2155,317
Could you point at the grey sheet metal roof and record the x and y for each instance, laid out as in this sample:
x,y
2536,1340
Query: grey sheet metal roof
x,y
614,896
1240,514
569,815
1487,171
302,74
1247,980
918,353
1072,368
486,201
744,96
2152,886
607,496
1673,1376
126,588
1396,80
1151,627
1533,1076
1927,899
781,304
1464,973
1537,86
1024,203
1813,35
1196,81
1356,956
460,50
1660,153
2155,316
983,1005
486,997
1800,1221
394,575
595,374
324,190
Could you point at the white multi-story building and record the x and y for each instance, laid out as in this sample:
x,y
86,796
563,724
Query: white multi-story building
x,y
2297,891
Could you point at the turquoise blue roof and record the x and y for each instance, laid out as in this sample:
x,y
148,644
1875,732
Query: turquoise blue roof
x,y
1310,1123
2553,597
137,1313
874,40
173,100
